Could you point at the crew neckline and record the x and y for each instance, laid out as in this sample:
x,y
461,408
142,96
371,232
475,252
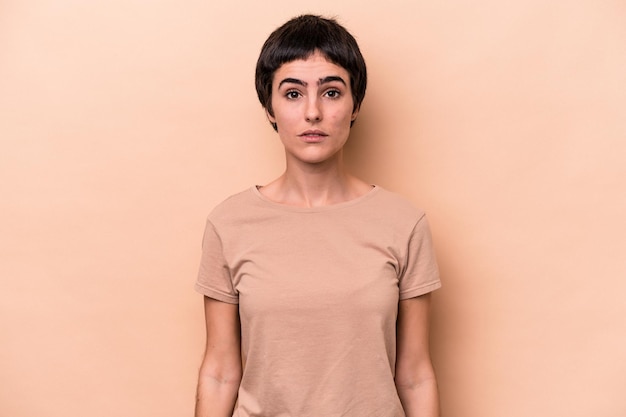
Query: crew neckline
x,y
255,190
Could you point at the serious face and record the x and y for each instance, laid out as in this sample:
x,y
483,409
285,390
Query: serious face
x,y
313,109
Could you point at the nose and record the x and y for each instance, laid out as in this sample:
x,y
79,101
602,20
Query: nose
x,y
313,111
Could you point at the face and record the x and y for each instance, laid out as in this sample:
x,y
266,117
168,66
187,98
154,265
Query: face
x,y
313,109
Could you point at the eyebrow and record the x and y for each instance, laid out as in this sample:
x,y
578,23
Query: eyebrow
x,y
321,81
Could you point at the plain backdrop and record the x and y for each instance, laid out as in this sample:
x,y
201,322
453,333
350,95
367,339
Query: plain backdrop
x,y
123,122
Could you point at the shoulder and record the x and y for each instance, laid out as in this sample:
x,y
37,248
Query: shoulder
x,y
233,207
397,206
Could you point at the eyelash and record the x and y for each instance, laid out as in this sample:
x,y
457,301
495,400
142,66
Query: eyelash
x,y
294,94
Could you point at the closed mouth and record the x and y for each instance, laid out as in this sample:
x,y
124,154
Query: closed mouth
x,y
313,133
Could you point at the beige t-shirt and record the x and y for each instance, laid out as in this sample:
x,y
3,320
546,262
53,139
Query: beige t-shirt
x,y
318,291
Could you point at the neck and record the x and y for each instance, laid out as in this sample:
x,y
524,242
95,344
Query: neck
x,y
314,185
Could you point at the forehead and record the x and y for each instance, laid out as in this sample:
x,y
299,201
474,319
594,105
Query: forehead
x,y
312,68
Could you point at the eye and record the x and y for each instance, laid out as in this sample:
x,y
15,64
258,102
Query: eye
x,y
333,93
292,94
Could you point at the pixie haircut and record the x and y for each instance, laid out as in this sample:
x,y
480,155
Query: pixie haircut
x,y
300,38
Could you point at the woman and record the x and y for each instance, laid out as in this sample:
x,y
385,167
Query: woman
x,y
316,285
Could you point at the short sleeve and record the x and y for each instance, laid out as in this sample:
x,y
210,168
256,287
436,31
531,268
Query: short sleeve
x,y
214,278
420,274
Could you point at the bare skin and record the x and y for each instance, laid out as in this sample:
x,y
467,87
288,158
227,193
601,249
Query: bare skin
x,y
313,109
220,372
415,378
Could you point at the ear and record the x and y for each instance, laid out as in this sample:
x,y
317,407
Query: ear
x,y
271,118
355,113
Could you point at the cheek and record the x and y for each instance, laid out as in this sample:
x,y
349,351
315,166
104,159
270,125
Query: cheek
x,y
344,116
286,117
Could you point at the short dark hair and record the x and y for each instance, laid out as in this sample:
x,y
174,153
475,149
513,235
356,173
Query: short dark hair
x,y
299,38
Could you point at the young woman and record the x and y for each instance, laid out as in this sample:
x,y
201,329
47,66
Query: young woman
x,y
317,284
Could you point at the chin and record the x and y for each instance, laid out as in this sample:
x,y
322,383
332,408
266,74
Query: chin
x,y
319,158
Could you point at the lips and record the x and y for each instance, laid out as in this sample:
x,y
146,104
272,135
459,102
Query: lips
x,y
313,136
313,133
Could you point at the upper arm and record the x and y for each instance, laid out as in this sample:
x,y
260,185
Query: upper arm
x,y
413,363
222,359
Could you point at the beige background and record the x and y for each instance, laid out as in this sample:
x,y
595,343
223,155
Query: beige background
x,y
122,122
